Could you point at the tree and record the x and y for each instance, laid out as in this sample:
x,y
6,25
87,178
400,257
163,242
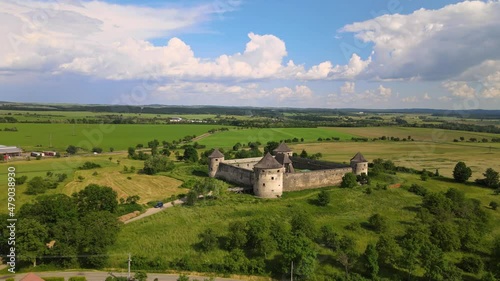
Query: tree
x,y
461,173
96,198
388,250
433,262
183,277
303,223
71,149
131,152
156,164
303,154
97,150
36,185
371,260
99,231
491,178
323,198
378,223
271,145
260,241
190,154
349,180
191,198
30,240
302,252
237,237
445,235
209,240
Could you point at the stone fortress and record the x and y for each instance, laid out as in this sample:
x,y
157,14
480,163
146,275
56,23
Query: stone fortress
x,y
269,176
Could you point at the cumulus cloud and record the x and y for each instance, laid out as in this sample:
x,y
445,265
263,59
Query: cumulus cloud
x,y
426,96
459,89
411,99
348,88
431,44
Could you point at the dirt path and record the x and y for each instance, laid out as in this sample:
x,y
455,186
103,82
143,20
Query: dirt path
x,y
201,137
152,211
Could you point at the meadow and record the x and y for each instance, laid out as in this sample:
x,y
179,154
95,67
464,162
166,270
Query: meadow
x,y
228,138
172,234
120,137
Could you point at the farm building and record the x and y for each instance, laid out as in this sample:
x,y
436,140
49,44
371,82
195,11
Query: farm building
x,y
270,175
10,151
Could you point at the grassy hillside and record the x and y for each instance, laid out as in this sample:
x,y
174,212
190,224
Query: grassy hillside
x,y
172,234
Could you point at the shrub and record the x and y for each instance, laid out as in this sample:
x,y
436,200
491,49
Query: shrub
x,y
349,181
53,278
21,180
378,223
323,198
418,189
471,264
89,165
493,205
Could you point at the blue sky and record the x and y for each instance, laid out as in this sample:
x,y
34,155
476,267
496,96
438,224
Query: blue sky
x,y
333,54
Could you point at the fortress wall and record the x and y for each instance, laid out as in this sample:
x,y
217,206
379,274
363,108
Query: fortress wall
x,y
246,163
314,179
309,164
235,174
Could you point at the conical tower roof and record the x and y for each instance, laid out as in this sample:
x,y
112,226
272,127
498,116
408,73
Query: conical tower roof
x,y
283,158
268,162
216,154
359,158
282,148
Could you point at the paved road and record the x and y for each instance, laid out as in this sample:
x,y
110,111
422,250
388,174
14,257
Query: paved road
x,y
101,276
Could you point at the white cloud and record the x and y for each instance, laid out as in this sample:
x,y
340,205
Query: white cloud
x,y
411,99
426,96
459,89
431,44
348,88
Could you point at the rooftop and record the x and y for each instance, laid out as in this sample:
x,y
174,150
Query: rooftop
x,y
268,162
282,148
216,154
283,159
10,149
359,158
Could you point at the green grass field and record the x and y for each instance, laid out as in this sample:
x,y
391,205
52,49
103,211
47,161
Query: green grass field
x,y
120,137
172,233
228,138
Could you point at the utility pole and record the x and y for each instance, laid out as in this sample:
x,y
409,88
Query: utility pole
x,y
291,273
129,260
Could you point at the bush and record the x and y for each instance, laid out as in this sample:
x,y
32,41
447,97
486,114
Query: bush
x,y
349,180
493,205
21,180
418,189
378,223
471,264
323,198
89,165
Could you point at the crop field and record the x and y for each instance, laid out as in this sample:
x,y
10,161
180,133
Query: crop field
x,y
228,138
120,137
149,188
418,155
172,233
420,134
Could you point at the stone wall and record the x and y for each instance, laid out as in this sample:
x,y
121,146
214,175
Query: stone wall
x,y
309,164
314,179
235,175
246,163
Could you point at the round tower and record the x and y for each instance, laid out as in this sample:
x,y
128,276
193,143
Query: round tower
x,y
214,160
359,164
268,178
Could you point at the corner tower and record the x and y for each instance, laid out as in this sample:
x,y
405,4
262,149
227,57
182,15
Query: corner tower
x,y
283,149
359,164
268,178
214,160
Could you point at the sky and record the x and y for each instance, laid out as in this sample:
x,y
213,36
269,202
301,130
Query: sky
x,y
267,53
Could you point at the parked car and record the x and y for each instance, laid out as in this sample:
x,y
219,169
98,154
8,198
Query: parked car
x,y
159,205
